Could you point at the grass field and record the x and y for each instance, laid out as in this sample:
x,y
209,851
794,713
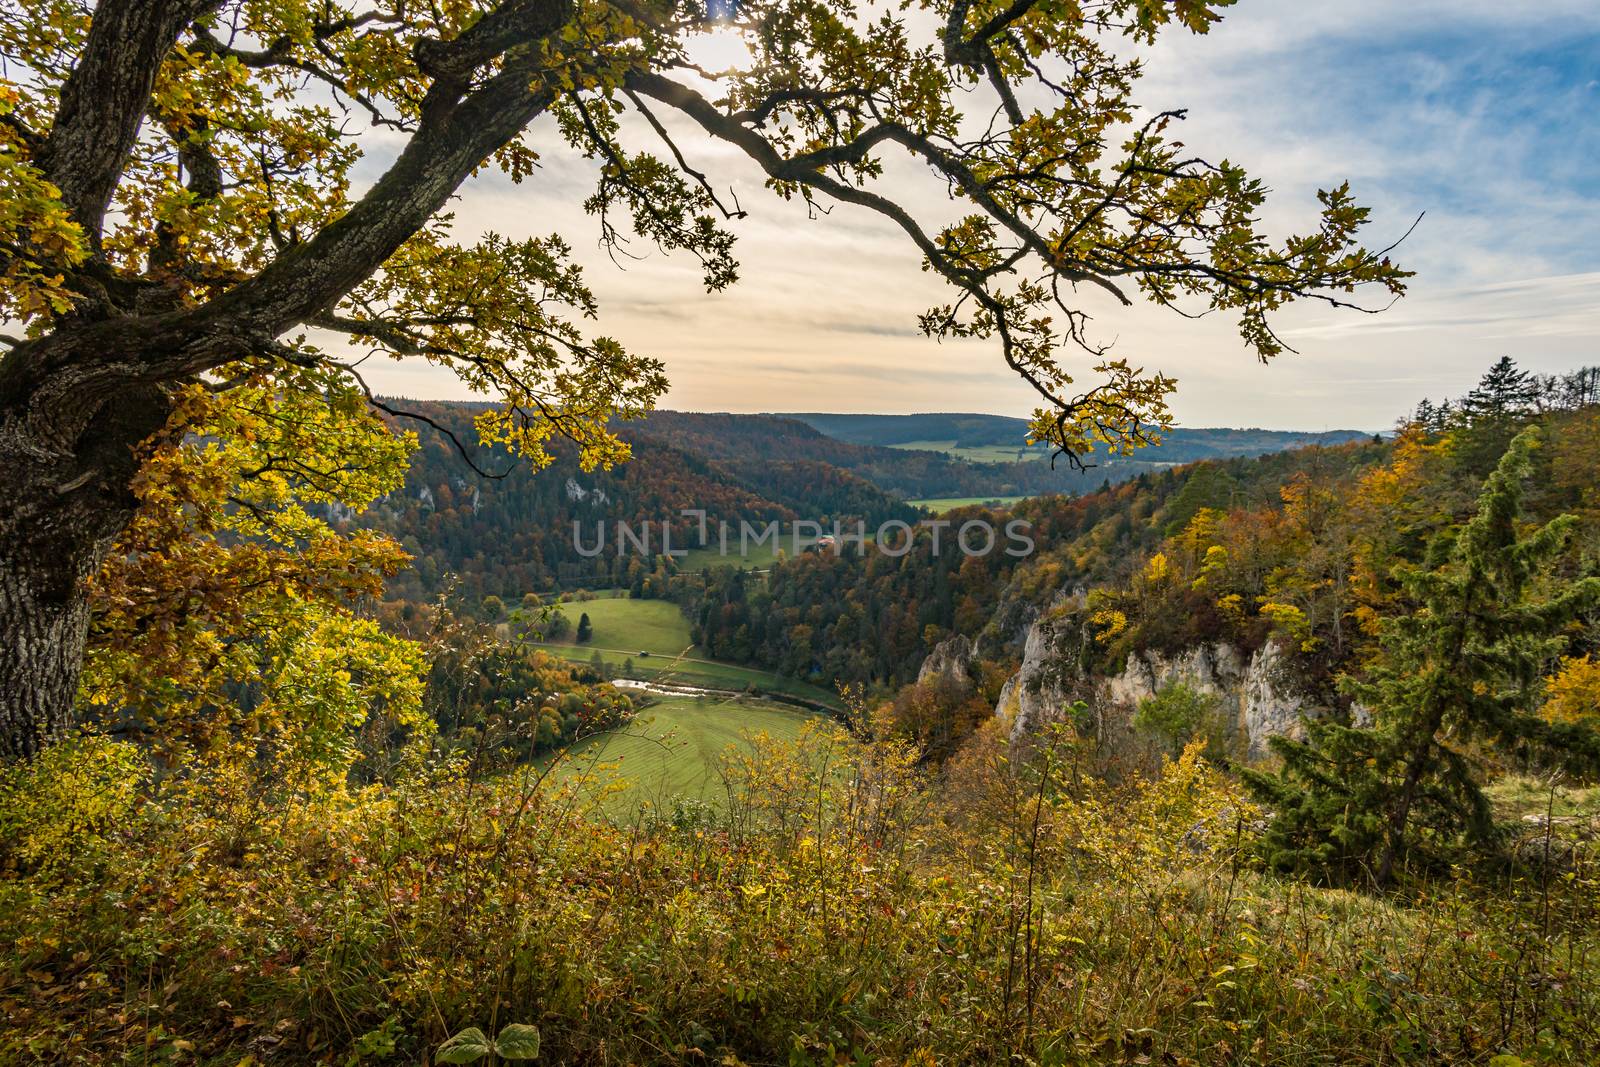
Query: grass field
x,y
654,626
623,628
943,504
672,750
759,556
980,454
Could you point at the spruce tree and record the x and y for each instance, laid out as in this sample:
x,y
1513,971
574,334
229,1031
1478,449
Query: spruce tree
x,y
1459,674
585,629
1503,393
1426,416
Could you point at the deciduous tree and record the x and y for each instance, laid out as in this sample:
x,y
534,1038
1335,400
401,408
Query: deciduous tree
x,y
180,207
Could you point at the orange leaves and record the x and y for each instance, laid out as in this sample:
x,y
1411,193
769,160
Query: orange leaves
x,y
39,242
229,602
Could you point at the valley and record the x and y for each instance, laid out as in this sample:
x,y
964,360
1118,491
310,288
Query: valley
x,y
669,758
423,643
650,640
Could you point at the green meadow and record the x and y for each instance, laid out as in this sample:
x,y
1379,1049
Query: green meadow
x,y
654,626
950,503
625,629
673,750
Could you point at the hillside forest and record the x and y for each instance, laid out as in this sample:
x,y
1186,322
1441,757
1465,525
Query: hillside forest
x,y
325,740
427,785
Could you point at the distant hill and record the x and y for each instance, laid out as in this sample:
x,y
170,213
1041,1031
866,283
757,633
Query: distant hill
x,y
514,534
750,444
987,437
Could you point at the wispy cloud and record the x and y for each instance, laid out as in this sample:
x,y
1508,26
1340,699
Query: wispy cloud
x,y
1479,113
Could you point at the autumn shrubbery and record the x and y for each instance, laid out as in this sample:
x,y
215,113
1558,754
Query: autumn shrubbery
x,y
839,906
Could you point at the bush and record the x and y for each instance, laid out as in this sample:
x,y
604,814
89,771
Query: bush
x,y
839,906
1180,713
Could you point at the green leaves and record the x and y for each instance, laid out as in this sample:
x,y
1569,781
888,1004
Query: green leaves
x,y
516,1041
465,1047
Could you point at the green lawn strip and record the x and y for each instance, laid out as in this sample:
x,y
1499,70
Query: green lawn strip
x,y
673,749
943,504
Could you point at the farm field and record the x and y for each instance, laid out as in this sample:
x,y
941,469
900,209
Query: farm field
x,y
943,504
654,626
672,750
624,627
759,556
979,454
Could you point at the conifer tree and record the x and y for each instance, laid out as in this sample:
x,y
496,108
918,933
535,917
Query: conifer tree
x,y
585,629
1458,674
1503,393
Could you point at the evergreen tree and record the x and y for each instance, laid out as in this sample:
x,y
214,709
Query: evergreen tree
x,y
1427,417
1461,672
1503,393
585,630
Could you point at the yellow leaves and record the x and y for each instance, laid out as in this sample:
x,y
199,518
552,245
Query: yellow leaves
x,y
1572,694
492,313
228,603
970,242
1215,562
1109,624
1127,411
53,809
1157,570
1287,618
1231,606
41,240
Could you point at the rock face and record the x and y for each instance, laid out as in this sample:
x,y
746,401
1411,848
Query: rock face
x,y
951,660
578,493
1270,703
1047,682
1258,693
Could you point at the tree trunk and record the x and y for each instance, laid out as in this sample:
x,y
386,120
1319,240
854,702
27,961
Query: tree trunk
x,y
44,614
60,515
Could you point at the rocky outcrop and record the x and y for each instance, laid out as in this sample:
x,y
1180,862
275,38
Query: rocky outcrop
x,y
1048,680
1270,704
950,660
1258,692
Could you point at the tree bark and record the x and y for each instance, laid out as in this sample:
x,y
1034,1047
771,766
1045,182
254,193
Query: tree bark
x,y
77,402
59,519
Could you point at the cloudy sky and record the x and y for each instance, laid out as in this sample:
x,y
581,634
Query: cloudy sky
x,y
1483,115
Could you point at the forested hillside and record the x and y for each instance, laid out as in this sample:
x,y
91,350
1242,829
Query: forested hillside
x,y
968,431
872,618
504,529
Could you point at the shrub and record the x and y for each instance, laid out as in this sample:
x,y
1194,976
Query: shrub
x,y
1180,713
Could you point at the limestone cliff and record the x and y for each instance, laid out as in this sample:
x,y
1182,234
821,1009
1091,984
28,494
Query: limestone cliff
x,y
950,660
1258,689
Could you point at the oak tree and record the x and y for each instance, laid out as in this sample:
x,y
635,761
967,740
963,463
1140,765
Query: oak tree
x,y
179,207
